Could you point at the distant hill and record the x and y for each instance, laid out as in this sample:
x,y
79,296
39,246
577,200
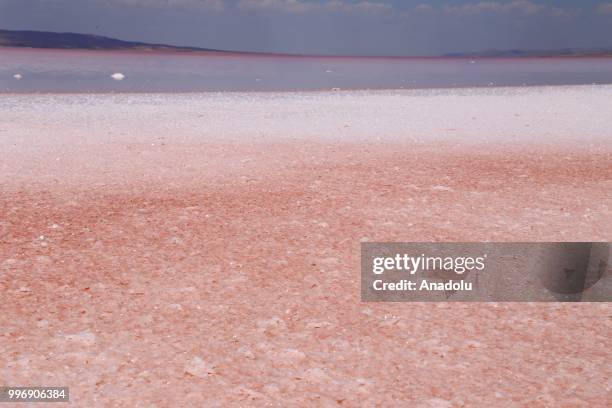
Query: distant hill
x,y
44,39
567,52
69,41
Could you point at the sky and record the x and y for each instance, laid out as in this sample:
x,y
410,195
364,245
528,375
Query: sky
x,y
333,27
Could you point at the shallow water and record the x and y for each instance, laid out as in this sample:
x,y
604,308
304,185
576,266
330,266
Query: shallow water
x,y
90,71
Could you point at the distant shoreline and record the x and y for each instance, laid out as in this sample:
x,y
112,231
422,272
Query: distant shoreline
x,y
88,42
221,53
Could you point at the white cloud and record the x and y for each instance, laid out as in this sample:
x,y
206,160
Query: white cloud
x,y
425,8
526,7
305,6
522,6
202,4
288,6
561,12
605,8
371,7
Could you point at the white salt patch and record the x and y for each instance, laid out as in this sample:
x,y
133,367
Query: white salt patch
x,y
199,368
175,240
316,375
571,113
271,388
43,259
118,76
329,261
437,403
287,356
318,325
275,323
246,353
85,337
442,188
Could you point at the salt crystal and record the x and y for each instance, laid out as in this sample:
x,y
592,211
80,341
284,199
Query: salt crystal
x,y
316,375
438,403
442,188
199,368
288,356
85,337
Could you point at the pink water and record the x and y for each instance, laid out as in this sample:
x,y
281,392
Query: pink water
x,y
90,71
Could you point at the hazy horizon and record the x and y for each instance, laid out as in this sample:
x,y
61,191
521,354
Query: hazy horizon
x,y
460,53
327,27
